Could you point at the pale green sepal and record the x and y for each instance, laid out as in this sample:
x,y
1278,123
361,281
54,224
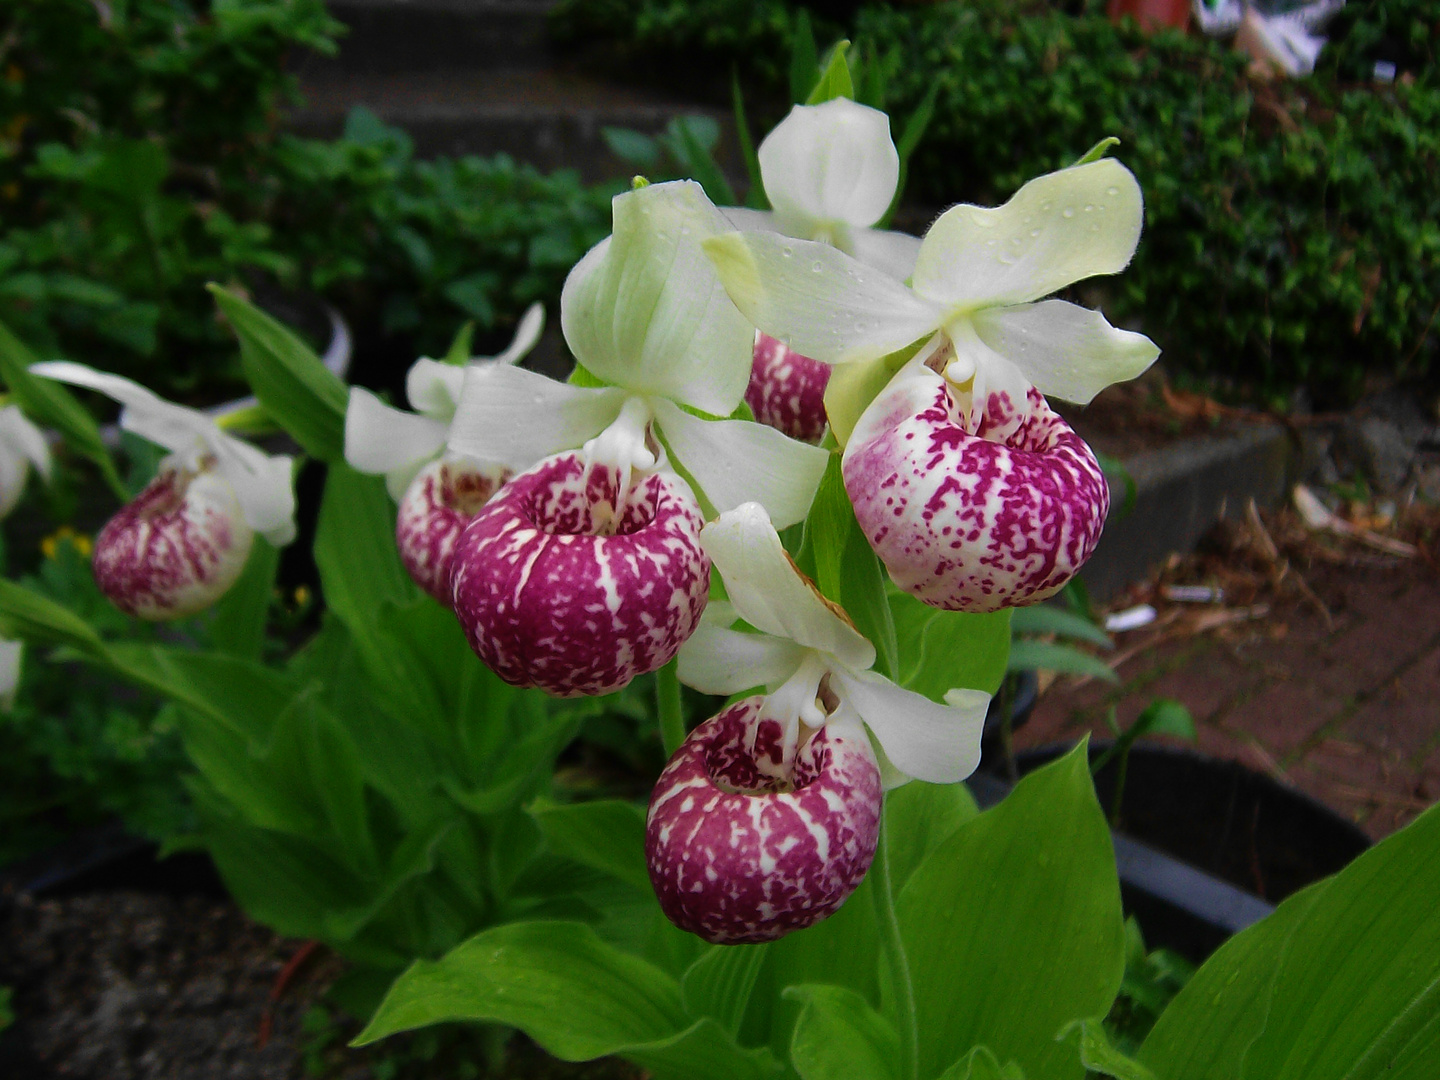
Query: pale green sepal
x,y
1058,229
645,311
1067,351
854,386
819,301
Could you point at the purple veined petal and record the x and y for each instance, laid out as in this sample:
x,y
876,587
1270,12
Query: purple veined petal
x,y
176,548
740,854
973,522
559,588
442,499
787,390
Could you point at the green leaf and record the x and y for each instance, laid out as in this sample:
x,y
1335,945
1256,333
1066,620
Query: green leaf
x,y
835,80
846,568
238,625
573,994
355,550
298,391
689,136
981,1064
1096,152
919,817
720,982
1356,977
607,835
915,126
1052,656
1023,897
1048,619
944,649
48,402
1210,1024
755,198
840,1037
28,616
804,65
632,147
704,1051
1096,1053
1165,716
460,345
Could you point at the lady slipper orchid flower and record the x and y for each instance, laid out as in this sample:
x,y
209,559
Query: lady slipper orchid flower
x,y
766,818
587,569
438,492
21,445
184,539
970,305
830,171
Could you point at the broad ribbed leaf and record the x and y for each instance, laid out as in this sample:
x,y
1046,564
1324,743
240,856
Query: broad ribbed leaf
x,y
296,389
944,649
607,835
840,1037
1013,926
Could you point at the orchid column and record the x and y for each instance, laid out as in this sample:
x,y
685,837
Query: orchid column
x,y
973,493
586,570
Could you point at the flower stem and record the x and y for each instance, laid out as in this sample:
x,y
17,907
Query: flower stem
x,y
667,702
901,1005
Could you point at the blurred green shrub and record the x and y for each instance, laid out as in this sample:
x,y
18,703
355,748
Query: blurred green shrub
x,y
1291,228
140,157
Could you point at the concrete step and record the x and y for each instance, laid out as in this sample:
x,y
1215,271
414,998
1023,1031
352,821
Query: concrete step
x,y
549,119
390,36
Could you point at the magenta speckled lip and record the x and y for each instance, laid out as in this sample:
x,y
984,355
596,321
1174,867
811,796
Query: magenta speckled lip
x,y
556,589
175,549
1000,518
740,852
442,499
787,390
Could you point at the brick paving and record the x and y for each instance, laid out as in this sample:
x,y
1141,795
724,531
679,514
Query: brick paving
x,y
1348,711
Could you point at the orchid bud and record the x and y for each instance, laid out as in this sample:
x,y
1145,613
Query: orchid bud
x,y
442,499
745,846
973,508
787,390
176,548
578,576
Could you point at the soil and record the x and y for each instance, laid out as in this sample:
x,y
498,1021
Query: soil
x,y
125,985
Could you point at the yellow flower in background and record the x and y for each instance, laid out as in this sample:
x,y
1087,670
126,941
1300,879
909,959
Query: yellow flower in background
x,y
82,543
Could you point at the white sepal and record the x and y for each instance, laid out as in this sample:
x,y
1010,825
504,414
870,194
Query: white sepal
x,y
938,743
21,445
719,661
1067,351
382,439
1058,229
433,387
819,301
829,163
11,653
515,417
892,252
645,311
769,593
735,461
527,334
262,482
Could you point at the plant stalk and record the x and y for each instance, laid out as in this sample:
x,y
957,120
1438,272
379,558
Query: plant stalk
x,y
892,946
672,713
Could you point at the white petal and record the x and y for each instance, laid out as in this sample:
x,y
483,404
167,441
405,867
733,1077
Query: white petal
x,y
1066,350
433,387
819,301
893,252
831,162
10,655
145,413
382,439
938,743
747,220
25,439
770,594
527,333
719,661
645,311
515,417
736,461
1057,229
263,484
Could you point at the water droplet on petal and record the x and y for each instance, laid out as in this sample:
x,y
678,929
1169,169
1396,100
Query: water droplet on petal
x,y
816,267
1089,207
786,252
1112,191
1068,212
